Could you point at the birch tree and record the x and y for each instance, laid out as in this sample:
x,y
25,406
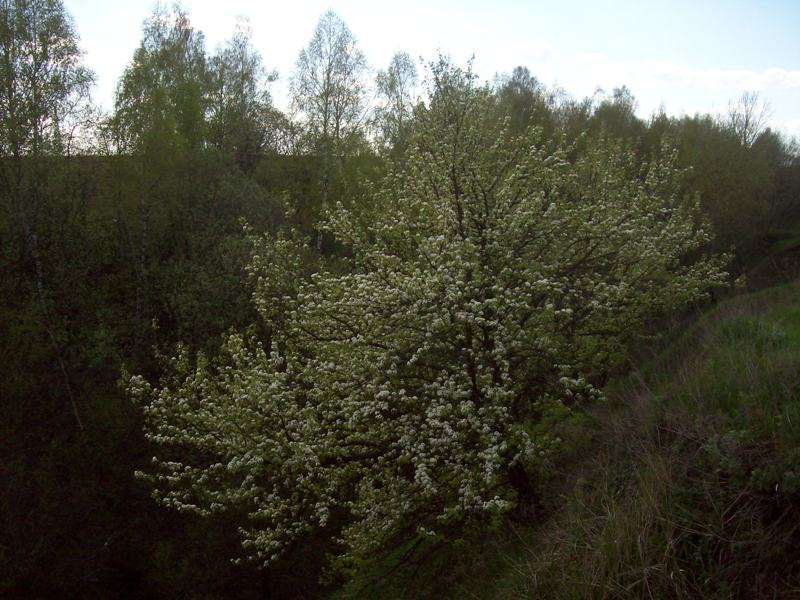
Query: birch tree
x,y
240,106
396,87
159,119
44,93
160,100
328,91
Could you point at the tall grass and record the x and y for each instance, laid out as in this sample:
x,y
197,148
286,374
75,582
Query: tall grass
x,y
687,484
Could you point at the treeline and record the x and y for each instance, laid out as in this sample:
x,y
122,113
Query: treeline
x,y
122,234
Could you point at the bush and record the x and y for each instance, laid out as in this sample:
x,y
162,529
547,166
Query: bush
x,y
402,393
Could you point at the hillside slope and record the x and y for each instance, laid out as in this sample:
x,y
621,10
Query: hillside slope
x,y
684,484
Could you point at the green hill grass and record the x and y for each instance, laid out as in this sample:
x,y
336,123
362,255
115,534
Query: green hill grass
x,y
685,484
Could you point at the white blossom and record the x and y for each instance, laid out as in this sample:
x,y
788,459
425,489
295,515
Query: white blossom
x,y
489,278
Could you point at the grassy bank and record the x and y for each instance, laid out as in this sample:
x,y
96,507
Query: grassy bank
x,y
685,483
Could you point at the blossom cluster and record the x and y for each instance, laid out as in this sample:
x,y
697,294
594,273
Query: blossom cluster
x,y
491,277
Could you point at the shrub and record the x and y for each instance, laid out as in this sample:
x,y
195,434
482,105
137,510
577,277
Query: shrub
x,y
486,287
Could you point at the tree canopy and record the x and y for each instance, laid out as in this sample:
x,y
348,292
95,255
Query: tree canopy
x,y
396,88
488,281
43,83
160,99
327,86
241,119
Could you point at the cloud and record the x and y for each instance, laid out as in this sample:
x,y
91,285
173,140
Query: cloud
x,y
746,79
538,52
668,73
591,57
790,127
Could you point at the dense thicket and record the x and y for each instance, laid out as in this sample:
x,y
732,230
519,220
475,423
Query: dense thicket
x,y
123,233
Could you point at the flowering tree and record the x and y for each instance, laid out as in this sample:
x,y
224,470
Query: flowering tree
x,y
485,283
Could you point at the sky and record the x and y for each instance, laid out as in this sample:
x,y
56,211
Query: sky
x,y
686,57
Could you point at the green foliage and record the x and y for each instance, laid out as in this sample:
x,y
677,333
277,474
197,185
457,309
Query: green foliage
x,y
43,85
396,87
241,117
160,102
527,103
328,88
691,487
406,391
617,115
733,186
